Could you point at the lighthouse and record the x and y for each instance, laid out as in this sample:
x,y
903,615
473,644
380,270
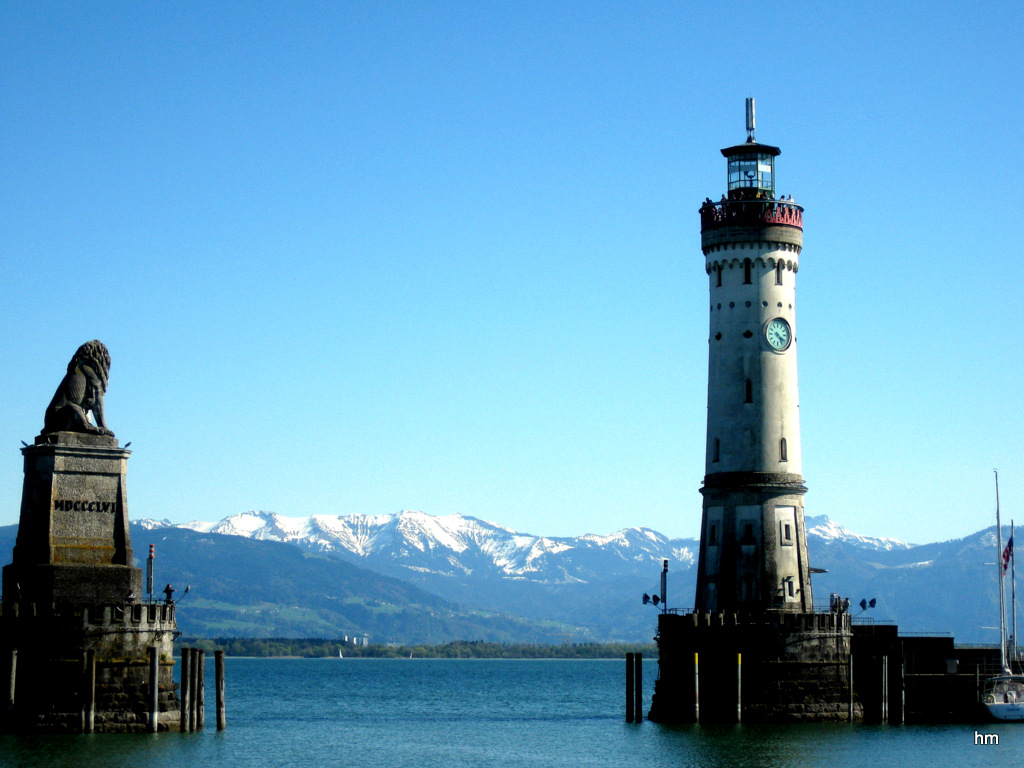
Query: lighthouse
x,y
753,550
753,649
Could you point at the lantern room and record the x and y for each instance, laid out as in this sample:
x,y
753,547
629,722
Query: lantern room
x,y
751,165
751,171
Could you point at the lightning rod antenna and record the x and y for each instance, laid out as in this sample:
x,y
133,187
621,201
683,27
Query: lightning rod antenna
x,y
750,120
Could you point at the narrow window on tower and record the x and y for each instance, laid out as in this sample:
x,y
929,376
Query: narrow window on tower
x,y
746,270
783,454
787,525
712,535
715,450
749,394
718,269
748,534
778,272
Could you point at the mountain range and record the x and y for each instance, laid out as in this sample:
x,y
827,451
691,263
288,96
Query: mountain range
x,y
414,577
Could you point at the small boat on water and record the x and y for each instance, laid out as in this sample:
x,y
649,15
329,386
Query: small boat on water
x,y
1003,695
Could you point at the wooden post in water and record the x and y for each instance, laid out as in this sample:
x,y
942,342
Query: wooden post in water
x,y
154,689
13,668
696,687
218,664
193,682
629,688
89,692
201,690
638,683
739,687
186,694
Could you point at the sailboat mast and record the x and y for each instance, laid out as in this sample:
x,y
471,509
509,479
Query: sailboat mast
x,y
999,565
1013,595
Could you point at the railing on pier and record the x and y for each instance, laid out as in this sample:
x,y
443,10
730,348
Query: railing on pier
x,y
746,213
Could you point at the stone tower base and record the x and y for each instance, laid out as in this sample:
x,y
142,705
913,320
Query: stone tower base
x,y
89,669
770,667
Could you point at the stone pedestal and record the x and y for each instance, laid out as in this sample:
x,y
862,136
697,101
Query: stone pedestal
x,y
768,667
73,543
73,628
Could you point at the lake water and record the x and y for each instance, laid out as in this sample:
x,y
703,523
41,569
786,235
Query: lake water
x,y
486,714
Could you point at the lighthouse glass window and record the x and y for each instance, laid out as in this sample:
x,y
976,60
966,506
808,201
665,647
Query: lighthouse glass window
x,y
751,171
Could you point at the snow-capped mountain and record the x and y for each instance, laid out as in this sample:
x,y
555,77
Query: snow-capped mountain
x,y
455,545
589,580
451,554
594,582
825,530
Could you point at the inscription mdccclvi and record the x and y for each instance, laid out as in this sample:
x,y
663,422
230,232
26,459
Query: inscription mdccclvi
x,y
81,505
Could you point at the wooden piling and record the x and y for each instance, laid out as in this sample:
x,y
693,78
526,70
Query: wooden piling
x,y
186,693
638,683
89,692
201,689
154,689
630,695
218,666
193,682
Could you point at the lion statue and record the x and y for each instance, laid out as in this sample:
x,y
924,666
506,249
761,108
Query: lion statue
x,y
81,393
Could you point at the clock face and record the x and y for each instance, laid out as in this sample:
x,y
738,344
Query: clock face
x,y
778,334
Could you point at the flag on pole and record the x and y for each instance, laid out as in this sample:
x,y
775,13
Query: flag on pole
x,y
1007,554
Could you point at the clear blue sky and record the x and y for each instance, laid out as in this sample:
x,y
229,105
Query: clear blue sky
x,y
360,257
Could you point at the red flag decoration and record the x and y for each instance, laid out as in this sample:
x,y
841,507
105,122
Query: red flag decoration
x,y
1007,554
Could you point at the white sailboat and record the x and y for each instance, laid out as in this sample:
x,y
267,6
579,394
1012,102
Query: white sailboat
x,y
1003,694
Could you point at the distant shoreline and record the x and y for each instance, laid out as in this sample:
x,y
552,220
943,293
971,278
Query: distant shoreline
x,y
321,648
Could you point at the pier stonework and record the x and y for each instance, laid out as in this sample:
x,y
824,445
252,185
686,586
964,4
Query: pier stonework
x,y
769,667
754,649
76,636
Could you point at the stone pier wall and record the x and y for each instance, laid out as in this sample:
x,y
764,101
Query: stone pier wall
x,y
49,646
769,667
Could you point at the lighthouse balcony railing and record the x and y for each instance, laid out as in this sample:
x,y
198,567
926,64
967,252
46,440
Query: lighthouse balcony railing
x,y
747,213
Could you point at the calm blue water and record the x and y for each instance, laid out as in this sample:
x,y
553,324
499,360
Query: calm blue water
x,y
507,714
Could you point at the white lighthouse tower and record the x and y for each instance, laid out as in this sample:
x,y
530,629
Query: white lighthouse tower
x,y
753,649
753,550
